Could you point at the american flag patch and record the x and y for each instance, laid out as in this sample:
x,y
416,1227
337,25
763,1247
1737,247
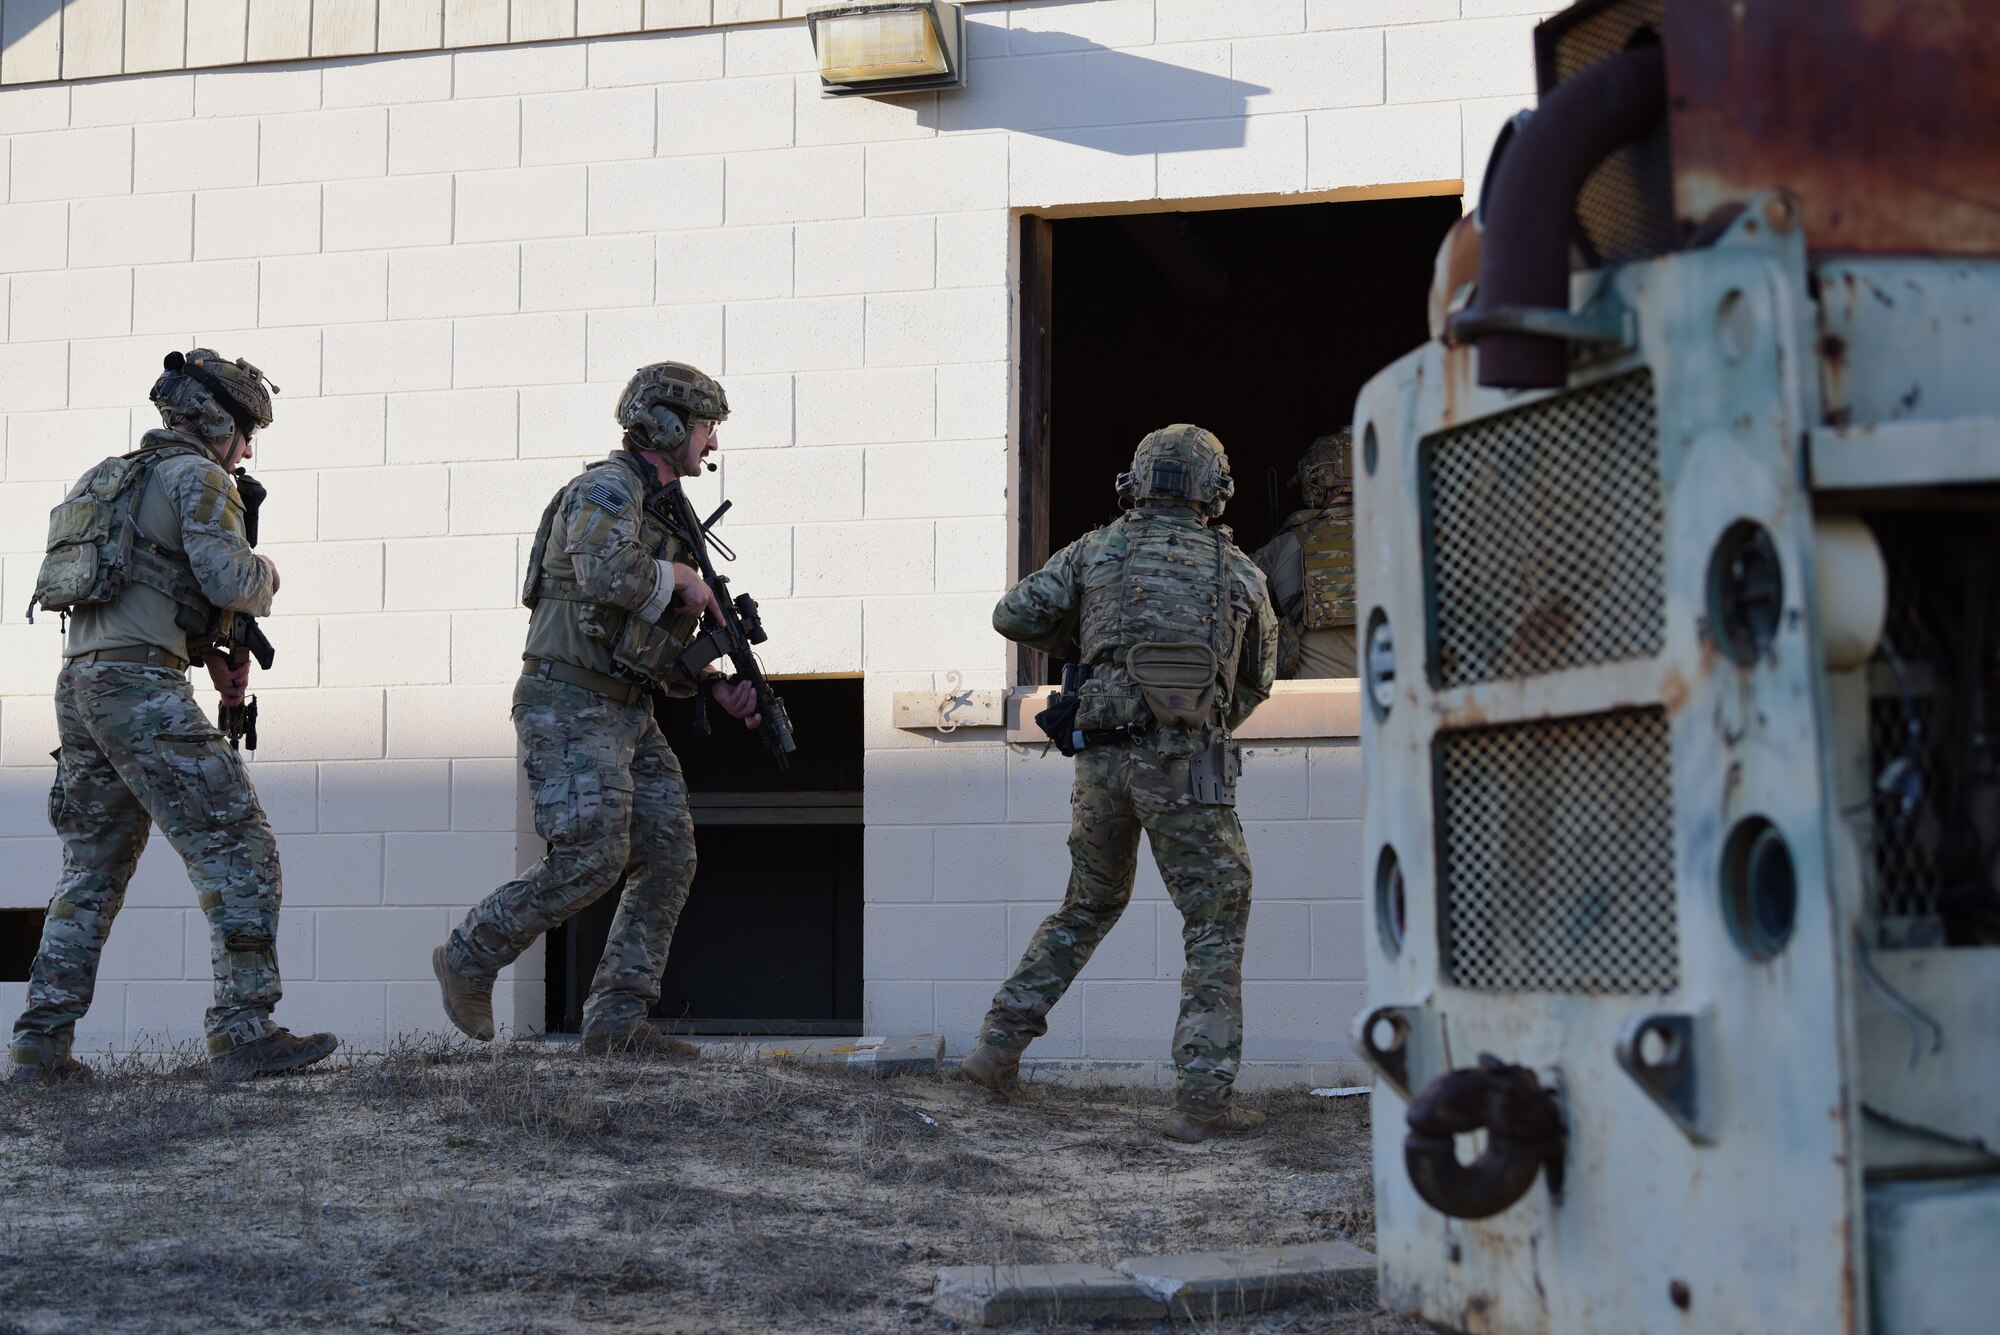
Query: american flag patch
x,y
602,494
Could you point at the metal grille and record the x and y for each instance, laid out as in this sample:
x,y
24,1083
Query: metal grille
x,y
1905,844
1547,536
1557,856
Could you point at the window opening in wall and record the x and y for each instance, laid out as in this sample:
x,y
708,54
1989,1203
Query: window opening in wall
x,y
20,937
770,941
1261,324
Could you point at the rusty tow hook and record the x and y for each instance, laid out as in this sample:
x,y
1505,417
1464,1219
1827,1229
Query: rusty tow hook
x,y
1524,1134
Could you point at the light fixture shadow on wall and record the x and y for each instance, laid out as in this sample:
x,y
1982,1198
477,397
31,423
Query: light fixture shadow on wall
x,y
879,48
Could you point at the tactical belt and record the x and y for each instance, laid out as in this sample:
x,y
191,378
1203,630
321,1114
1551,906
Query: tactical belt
x,y
543,669
562,590
136,653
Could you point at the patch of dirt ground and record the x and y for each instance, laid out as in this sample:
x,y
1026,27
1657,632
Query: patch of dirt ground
x,y
529,1188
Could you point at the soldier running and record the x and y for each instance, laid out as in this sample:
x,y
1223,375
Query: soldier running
x,y
1173,628
147,557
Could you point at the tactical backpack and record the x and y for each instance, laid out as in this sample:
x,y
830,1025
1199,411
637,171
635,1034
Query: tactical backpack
x,y
95,547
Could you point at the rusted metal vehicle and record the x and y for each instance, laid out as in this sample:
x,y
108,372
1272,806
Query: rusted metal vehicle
x,y
1680,571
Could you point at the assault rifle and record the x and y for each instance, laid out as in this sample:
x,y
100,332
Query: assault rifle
x,y
729,635
245,639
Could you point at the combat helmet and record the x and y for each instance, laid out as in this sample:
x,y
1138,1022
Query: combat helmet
x,y
1179,465
201,393
1328,463
660,399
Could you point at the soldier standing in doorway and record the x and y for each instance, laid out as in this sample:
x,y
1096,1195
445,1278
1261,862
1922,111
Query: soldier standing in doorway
x,y
1176,643
148,559
1310,564
614,603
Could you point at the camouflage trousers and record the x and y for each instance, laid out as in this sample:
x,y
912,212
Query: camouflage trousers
x,y
137,751
1119,791
610,801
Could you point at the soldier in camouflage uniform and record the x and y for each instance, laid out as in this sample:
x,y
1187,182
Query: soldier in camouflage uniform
x,y
148,559
1180,641
614,605
1310,564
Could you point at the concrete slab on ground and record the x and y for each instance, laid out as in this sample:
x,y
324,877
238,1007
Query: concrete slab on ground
x,y
894,1054
1202,1286
986,1295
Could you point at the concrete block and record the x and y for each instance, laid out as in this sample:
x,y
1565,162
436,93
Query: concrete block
x,y
386,649
1039,783
1279,943
321,724
483,795
450,573
940,175
1300,1021
1003,1295
324,289
379,944
1084,166
973,249
455,870
655,196
1013,863
279,30
45,447
859,407
473,22
624,61
584,273
904,480
907,941
157,1014
103,373
1482,121
1308,73
786,486
1208,1286
519,349
764,559
33,865
329,870
1336,780
959,785
541,20
620,340
166,97
899,1005
1303,859
1339,941
806,334
452,721
1271,157
1274,784
799,185
387,83
1471,58
28,728
451,426
24,793
31,42
34,236
1193,20
71,164
258,222
295,943
289,794
294,352
858,120
454,136
760,415
504,497
458,280
1040,28
591,126
381,795
559,421
166,298
486,646
725,264
865,255
505,71
896,863
256,91
399,356
70,303
324,145
1375,145
296,639
813,635
1129,1020
866,558
403,502
25,109
346,431
676,13
969,324
972,555
413,25
518,205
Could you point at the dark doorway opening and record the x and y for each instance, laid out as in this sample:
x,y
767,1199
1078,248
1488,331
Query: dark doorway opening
x,y
1261,324
770,941
20,938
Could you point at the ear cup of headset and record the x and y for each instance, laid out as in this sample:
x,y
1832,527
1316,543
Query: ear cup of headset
x,y
672,432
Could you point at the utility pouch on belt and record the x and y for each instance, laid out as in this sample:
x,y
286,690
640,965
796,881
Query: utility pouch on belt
x,y
651,650
1212,773
1058,720
1177,681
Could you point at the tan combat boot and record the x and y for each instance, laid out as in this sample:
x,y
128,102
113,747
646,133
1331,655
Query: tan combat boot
x,y
468,1003
61,1071
1193,1121
644,1041
989,1067
278,1053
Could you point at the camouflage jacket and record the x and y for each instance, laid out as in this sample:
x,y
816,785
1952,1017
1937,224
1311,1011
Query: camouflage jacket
x,y
190,508
1050,608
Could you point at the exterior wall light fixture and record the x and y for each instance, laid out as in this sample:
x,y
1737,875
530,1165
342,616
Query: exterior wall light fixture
x,y
880,47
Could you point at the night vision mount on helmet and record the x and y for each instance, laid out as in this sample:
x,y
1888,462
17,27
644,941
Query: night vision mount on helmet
x,y
201,392
660,399
1179,465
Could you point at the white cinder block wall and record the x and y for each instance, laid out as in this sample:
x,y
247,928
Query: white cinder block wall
x,y
451,260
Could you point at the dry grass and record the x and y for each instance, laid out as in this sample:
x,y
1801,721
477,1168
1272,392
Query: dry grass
x,y
530,1188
